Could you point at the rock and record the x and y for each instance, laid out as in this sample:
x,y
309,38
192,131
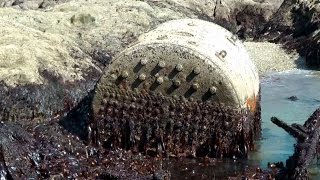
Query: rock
x,y
293,98
246,18
296,24
47,151
30,4
17,151
41,73
307,31
312,50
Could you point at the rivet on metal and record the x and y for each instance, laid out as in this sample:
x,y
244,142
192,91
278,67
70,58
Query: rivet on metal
x,y
104,101
213,90
124,74
160,80
142,77
162,64
176,82
179,67
195,86
143,61
196,70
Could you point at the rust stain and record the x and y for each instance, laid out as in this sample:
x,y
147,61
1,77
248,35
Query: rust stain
x,y
252,103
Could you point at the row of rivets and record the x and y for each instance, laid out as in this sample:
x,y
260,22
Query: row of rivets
x,y
178,68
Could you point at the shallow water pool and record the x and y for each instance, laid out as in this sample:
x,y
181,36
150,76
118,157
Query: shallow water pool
x,y
277,145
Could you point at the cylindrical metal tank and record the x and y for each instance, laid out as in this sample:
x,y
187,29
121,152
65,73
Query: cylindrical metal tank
x,y
192,58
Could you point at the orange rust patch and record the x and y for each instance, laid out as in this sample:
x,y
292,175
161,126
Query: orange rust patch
x,y
252,103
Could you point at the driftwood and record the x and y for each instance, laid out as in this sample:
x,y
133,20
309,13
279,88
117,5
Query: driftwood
x,y
291,129
306,149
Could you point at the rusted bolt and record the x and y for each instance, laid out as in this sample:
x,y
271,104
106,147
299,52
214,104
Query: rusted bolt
x,y
143,61
124,74
213,90
195,86
179,67
159,80
176,82
196,70
104,101
142,77
161,64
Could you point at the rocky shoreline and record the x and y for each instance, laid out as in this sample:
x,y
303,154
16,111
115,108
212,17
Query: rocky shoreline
x,y
73,41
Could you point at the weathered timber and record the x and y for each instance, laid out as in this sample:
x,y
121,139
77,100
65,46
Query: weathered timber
x,y
306,148
295,132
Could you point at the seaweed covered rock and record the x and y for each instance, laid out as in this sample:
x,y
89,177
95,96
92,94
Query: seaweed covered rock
x,y
307,29
46,151
312,50
246,18
296,24
306,17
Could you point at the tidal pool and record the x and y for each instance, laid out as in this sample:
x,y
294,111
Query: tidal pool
x,y
276,144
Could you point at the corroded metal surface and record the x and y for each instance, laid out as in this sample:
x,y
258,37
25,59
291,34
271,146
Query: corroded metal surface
x,y
187,88
191,58
155,124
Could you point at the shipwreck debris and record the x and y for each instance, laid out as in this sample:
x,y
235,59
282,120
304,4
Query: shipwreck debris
x,y
186,88
306,149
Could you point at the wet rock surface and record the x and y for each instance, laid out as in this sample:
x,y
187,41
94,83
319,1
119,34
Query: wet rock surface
x,y
296,24
293,98
46,150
